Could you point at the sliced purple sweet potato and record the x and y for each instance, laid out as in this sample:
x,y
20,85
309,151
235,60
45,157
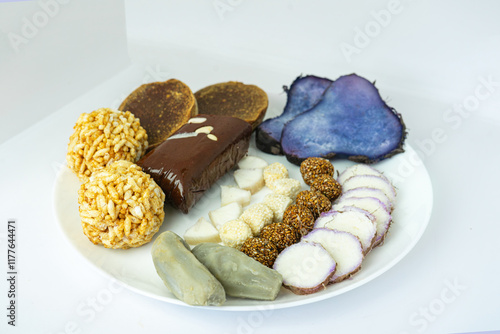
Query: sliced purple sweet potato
x,y
303,94
371,181
353,220
368,192
351,121
383,218
344,247
358,169
306,267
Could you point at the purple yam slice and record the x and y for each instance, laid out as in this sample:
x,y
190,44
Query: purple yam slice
x,y
304,93
358,169
371,181
353,220
383,218
344,247
351,121
306,267
368,192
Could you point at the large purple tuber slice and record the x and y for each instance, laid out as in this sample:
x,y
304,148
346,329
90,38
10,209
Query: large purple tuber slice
x,y
344,247
353,220
306,267
351,121
303,94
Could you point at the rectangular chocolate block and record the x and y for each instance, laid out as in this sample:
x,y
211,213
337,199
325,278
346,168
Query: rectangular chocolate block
x,y
191,160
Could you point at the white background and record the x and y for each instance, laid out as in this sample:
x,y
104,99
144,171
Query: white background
x,y
435,62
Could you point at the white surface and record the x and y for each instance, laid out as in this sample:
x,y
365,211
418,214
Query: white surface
x,y
431,57
134,268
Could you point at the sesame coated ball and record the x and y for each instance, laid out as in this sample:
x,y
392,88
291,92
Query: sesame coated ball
x,y
278,203
313,167
315,201
300,217
280,234
273,172
261,250
287,187
257,216
234,233
328,186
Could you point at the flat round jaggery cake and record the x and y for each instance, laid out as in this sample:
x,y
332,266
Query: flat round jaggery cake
x,y
162,107
247,102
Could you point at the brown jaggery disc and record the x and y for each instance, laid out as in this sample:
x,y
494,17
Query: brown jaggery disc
x,y
280,234
315,201
162,107
261,250
300,217
313,167
328,186
247,102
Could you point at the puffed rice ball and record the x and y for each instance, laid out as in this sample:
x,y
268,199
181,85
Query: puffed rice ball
x,y
104,136
121,206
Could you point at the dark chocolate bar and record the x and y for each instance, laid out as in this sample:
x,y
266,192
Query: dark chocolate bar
x,y
191,160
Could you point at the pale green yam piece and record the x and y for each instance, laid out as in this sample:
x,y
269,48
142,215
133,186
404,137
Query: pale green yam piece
x,y
240,275
183,274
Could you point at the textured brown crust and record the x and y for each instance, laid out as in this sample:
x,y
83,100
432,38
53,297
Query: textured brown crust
x,y
162,107
247,102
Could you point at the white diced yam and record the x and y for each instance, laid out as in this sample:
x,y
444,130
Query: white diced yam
x,y
234,194
249,179
201,231
252,162
224,214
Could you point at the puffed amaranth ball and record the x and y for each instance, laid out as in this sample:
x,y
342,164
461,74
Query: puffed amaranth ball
x,y
314,167
261,250
328,186
300,217
280,234
315,201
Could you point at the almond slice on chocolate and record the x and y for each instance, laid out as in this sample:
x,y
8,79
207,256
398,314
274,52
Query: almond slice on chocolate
x,y
162,107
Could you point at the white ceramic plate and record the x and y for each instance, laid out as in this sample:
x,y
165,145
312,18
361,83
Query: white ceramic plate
x,y
134,267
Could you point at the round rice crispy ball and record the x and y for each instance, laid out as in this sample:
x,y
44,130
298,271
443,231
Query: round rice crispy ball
x,y
121,206
104,136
